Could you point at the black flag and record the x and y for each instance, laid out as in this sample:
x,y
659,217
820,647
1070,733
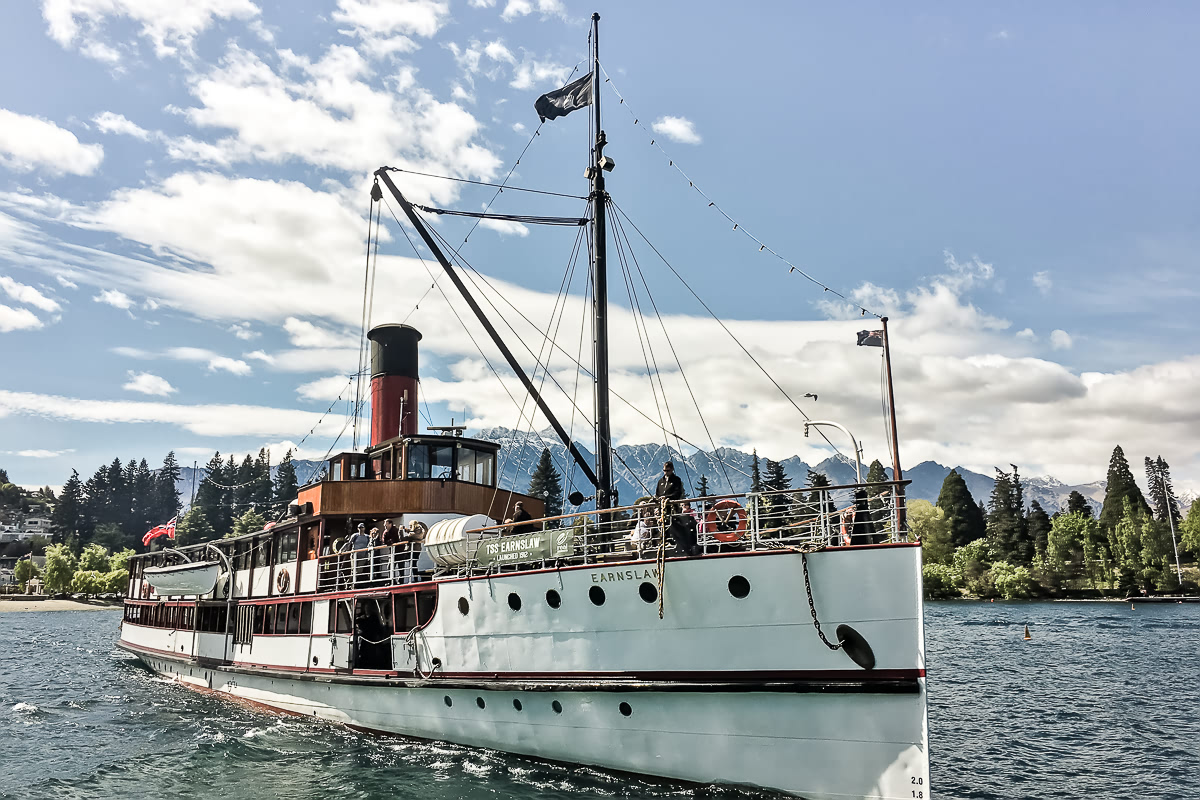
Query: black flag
x,y
563,101
870,338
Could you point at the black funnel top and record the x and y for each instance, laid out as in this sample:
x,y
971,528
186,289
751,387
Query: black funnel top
x,y
394,350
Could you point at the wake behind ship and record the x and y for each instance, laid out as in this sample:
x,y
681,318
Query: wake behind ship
x,y
769,639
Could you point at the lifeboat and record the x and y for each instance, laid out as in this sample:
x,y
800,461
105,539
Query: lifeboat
x,y
196,577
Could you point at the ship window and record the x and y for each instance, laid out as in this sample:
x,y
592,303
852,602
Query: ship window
x,y
739,587
405,612
418,461
516,704
514,601
463,606
335,471
553,598
596,594
466,464
262,551
425,604
441,461
293,618
241,558
648,591
447,701
342,619
287,548
260,616
626,709
270,624
306,617
479,702
557,706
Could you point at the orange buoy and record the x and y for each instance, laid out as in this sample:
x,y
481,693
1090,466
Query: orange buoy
x,y
1027,636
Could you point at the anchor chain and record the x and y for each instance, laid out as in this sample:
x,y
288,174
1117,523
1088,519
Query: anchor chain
x,y
812,606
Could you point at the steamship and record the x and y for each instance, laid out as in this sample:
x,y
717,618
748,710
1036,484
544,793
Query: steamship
x,y
741,639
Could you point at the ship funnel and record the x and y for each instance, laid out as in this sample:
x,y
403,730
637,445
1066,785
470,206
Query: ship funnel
x,y
394,376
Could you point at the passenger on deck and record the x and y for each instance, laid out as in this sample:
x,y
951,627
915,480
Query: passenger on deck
x,y
391,534
683,527
359,541
643,531
520,520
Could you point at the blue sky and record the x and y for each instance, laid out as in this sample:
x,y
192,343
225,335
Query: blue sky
x,y
183,195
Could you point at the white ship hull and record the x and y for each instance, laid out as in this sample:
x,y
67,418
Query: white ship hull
x,y
721,690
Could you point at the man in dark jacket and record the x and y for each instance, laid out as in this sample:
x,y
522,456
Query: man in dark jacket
x,y
682,528
520,519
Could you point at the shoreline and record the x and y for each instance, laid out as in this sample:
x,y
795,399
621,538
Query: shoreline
x,y
51,604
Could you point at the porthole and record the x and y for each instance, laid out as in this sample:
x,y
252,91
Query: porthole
x,y
626,709
739,587
463,606
557,706
597,595
447,701
314,661
516,704
514,601
479,702
648,591
553,599
437,663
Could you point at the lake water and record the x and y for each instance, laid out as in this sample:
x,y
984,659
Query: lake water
x,y
1101,703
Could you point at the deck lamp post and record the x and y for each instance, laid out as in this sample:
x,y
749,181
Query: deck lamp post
x,y
853,443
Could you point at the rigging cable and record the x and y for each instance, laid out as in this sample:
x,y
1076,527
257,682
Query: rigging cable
x,y
500,186
571,222
620,228
362,335
713,204
720,322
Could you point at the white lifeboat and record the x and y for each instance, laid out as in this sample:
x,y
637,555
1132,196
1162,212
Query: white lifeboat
x,y
452,542
196,577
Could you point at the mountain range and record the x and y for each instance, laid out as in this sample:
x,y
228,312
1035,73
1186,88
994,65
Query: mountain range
x,y
638,467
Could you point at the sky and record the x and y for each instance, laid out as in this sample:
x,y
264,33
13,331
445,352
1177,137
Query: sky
x,y
184,191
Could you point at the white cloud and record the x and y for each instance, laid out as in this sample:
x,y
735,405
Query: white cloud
x,y
531,72
498,52
482,3
459,93
1060,340
146,383
259,355
518,127
108,122
679,129
40,453
521,8
214,361
327,389
305,334
114,298
204,420
170,26
65,283
29,143
243,331
505,227
1043,282
17,319
1027,334
27,295
386,26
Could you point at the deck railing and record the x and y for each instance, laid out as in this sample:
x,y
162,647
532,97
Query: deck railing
x,y
800,519
830,516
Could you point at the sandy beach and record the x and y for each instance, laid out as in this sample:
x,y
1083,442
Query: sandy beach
x,y
50,604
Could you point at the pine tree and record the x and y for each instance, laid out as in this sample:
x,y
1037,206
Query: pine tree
x,y
1078,504
817,506
545,484
702,486
70,509
777,480
1121,487
127,513
286,487
210,498
1007,531
1161,492
776,504
145,499
166,496
962,513
193,528
756,483
261,489
1039,528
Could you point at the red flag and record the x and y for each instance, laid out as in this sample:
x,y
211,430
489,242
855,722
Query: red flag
x,y
167,530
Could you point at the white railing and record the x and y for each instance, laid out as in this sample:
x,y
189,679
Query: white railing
x,y
372,566
832,516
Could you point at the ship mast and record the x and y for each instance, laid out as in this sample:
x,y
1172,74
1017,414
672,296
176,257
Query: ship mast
x,y
605,496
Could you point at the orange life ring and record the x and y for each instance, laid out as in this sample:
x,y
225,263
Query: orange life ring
x,y
719,520
282,581
847,522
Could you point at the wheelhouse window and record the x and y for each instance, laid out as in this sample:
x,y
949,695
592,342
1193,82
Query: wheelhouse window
x,y
262,551
287,548
450,460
